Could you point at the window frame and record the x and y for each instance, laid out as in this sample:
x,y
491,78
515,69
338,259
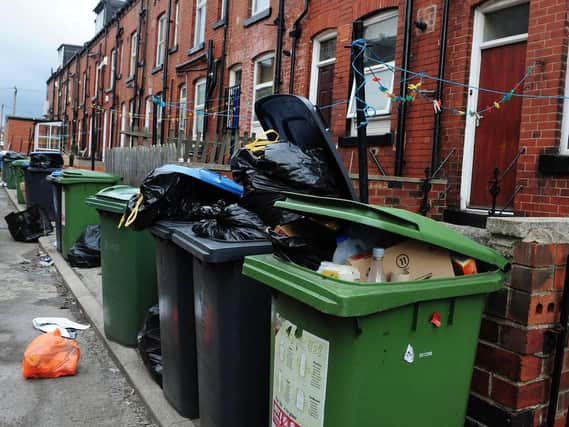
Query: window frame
x,y
161,40
133,53
147,113
84,94
200,24
255,10
113,71
197,107
255,124
379,114
176,24
317,64
123,124
183,105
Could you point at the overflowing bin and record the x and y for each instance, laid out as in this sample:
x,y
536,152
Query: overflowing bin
x,y
70,189
38,189
369,354
128,263
8,175
20,167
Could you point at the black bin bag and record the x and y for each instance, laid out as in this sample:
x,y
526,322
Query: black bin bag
x,y
307,162
28,225
177,193
232,223
149,344
86,252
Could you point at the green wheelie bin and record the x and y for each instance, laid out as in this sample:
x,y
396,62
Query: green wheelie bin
x,y
128,262
8,175
374,354
71,187
19,167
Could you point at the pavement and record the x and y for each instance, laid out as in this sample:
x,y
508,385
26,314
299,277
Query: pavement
x,y
145,403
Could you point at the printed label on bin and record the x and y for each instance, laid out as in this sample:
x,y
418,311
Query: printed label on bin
x,y
299,376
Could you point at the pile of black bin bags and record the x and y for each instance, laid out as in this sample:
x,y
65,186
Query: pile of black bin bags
x,y
281,167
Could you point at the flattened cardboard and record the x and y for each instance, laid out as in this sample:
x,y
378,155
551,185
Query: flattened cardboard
x,y
423,261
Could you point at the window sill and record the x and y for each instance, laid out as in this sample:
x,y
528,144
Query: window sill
x,y
372,140
173,50
196,49
157,69
554,164
130,79
220,23
257,17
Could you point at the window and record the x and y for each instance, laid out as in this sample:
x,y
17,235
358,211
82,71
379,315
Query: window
x,y
130,121
199,109
147,113
97,72
159,115
199,35
380,33
183,109
263,85
259,6
112,75
123,124
235,76
176,23
161,40
100,20
84,96
506,22
133,52
322,73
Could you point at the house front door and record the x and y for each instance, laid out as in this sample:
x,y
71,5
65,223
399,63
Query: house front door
x,y
497,131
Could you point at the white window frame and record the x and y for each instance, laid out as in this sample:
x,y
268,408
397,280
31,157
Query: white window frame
x,y
200,22
182,118
198,107
258,6
113,68
317,64
159,117
130,121
105,119
84,91
176,23
133,53
352,113
233,74
148,112
255,124
161,40
97,72
123,124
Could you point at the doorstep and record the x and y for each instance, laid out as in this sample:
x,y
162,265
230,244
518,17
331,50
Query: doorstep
x,y
85,285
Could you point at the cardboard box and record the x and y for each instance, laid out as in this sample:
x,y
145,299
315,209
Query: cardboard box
x,y
422,260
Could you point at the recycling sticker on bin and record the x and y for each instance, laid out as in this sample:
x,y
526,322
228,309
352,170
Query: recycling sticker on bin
x,y
299,376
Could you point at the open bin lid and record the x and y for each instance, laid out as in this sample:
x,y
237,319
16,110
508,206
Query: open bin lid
x,y
22,163
299,122
207,250
205,176
112,199
81,176
397,221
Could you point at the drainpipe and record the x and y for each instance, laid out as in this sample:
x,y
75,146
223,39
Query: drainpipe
x,y
143,13
402,112
210,82
75,108
220,119
114,100
435,157
165,71
280,21
137,90
295,34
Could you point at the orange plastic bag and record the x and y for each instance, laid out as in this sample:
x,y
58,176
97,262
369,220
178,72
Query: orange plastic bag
x,y
51,356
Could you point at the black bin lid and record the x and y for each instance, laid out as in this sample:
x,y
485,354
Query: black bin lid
x,y
299,122
46,159
208,250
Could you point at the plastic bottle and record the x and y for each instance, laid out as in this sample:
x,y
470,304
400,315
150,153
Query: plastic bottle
x,y
347,247
376,274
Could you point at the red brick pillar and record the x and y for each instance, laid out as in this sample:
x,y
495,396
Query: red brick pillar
x,y
514,363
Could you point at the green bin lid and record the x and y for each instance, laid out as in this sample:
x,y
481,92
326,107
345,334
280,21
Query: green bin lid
x,y
22,163
80,176
397,221
112,199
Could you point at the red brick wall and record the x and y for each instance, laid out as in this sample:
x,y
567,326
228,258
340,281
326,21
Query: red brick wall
x,y
512,376
17,134
541,119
